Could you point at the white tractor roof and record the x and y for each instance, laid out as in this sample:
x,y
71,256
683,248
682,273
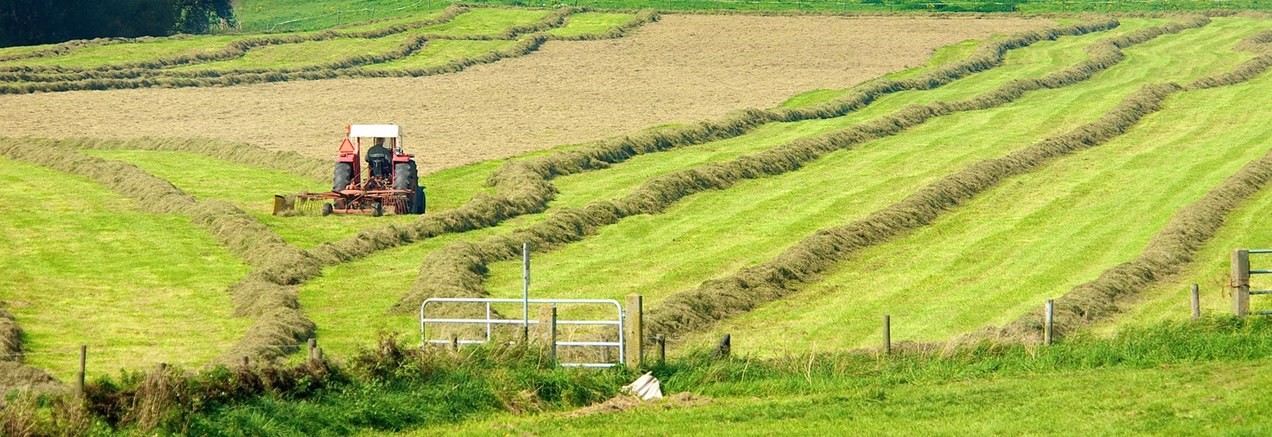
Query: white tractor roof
x,y
374,131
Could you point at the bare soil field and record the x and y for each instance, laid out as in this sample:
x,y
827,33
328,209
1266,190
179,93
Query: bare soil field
x,y
681,69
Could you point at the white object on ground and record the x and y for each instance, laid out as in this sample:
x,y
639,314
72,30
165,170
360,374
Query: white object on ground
x,y
646,387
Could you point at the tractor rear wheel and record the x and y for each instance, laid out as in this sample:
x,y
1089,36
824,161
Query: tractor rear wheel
x,y
343,176
402,176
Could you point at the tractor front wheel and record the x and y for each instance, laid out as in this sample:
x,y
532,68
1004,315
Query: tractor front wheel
x,y
343,176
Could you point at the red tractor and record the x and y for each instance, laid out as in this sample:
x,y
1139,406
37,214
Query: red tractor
x,y
389,183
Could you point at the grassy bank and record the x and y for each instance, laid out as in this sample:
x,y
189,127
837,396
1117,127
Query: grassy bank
x,y
1187,378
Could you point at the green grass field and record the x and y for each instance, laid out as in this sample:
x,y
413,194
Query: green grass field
x,y
1183,399
141,288
716,233
275,15
84,268
115,54
588,23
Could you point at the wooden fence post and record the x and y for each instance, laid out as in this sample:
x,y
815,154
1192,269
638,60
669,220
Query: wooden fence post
x,y
633,335
1241,282
1196,302
548,328
725,347
245,362
1048,328
887,334
662,349
83,367
313,343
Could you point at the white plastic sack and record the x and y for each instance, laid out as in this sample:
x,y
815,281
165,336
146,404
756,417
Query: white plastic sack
x,y
646,387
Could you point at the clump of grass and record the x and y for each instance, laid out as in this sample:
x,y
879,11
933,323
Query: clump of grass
x,y
388,387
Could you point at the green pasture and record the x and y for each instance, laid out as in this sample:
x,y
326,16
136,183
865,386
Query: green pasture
x,y
483,22
84,267
716,233
590,23
1179,399
1034,237
1202,377
124,53
270,15
409,18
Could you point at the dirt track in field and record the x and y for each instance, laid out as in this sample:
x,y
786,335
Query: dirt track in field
x,y
681,69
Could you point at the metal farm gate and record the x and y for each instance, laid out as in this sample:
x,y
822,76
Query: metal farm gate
x,y
547,323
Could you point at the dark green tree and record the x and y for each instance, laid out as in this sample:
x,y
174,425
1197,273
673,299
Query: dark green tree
x,y
49,21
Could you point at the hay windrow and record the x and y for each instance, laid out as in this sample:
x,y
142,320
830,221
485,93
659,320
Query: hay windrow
x,y
52,79
457,269
524,187
10,336
722,298
1174,246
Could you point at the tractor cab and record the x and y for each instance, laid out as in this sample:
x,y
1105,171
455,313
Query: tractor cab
x,y
387,183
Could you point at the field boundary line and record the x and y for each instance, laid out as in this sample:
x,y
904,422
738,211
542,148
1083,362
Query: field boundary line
x,y
460,268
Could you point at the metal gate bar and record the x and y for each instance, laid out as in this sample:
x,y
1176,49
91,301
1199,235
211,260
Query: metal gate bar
x,y
490,322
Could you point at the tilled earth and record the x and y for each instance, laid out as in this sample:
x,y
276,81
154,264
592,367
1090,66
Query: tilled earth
x,y
681,69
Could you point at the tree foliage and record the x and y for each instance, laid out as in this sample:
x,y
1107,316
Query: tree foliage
x,y
49,21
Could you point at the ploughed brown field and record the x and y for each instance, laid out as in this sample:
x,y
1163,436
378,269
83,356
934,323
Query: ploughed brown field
x,y
681,69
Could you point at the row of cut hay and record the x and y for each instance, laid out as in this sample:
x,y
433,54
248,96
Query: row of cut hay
x,y
67,76
239,153
719,299
344,68
803,262
643,17
10,337
1174,246
524,187
237,49
267,293
458,270
121,78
